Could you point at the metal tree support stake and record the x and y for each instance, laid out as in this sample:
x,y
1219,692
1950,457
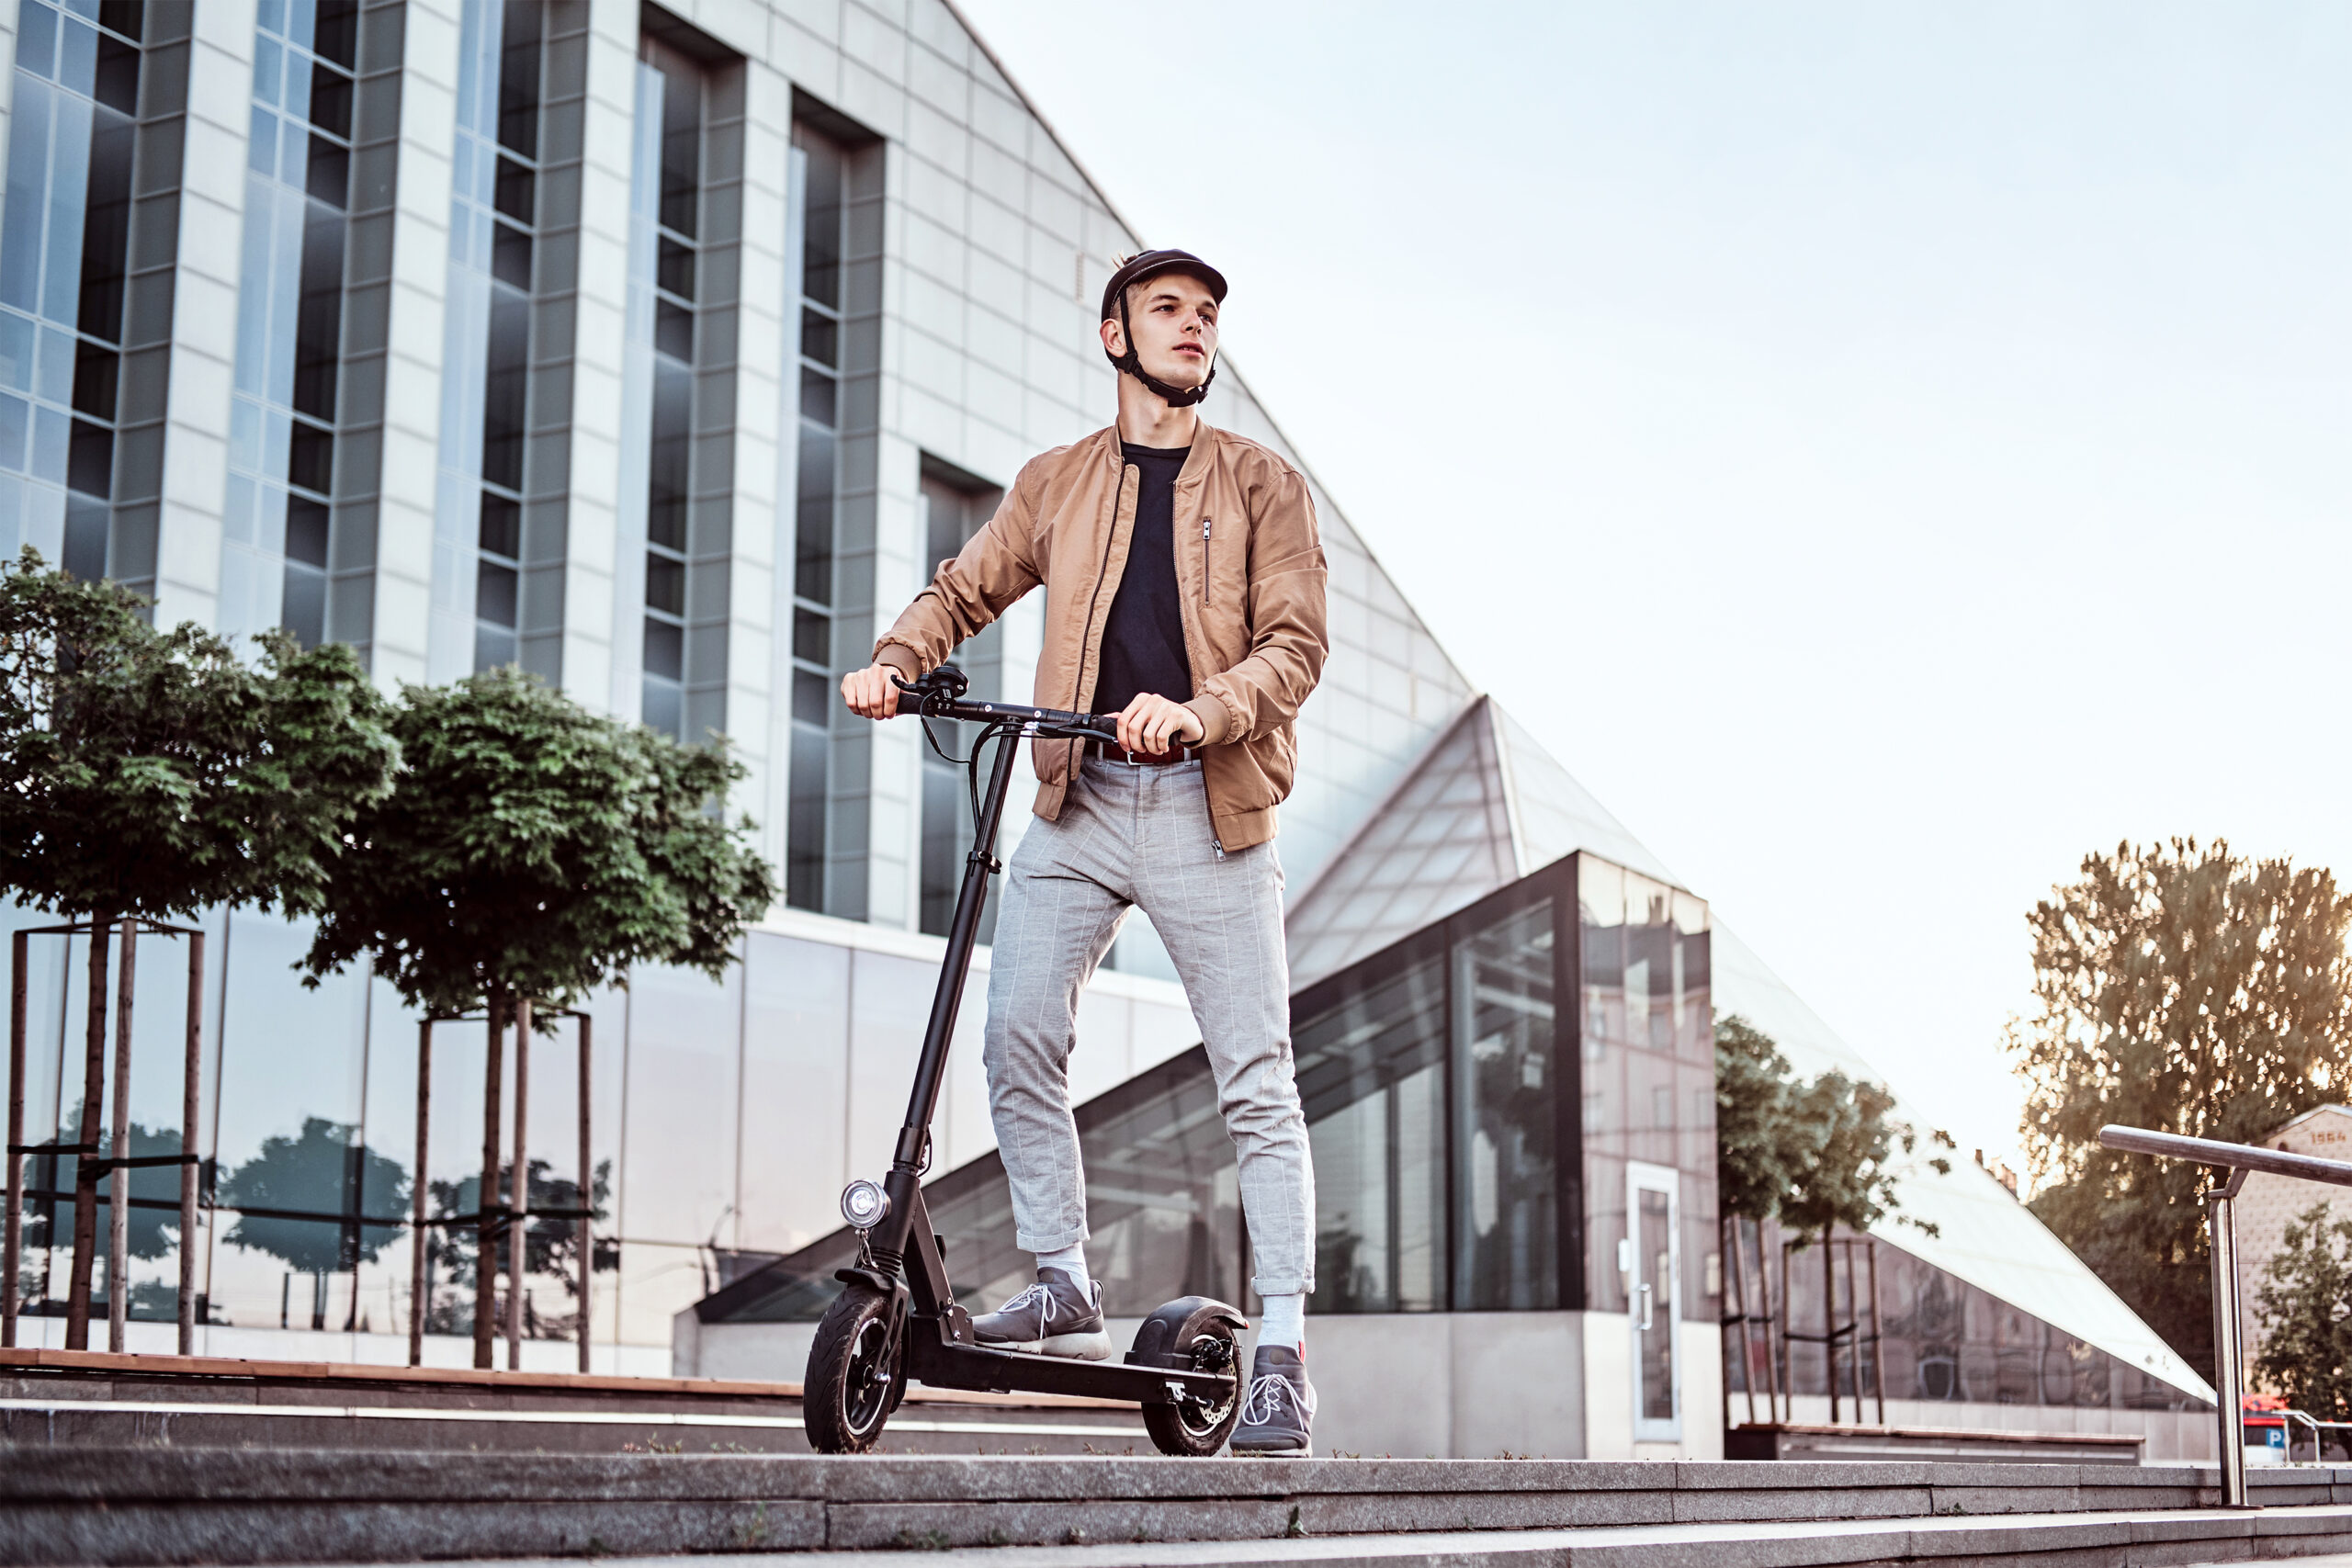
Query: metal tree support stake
x,y
86,1170
191,1091
15,1219
518,1226
486,1211
587,1195
416,1296
118,1151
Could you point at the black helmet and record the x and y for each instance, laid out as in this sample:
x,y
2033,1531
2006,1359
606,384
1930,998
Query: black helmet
x,y
1134,270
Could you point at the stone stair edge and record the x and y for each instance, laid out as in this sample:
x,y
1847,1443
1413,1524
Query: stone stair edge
x,y
95,1472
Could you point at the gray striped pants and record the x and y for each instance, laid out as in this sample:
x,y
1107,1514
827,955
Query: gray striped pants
x,y
1128,837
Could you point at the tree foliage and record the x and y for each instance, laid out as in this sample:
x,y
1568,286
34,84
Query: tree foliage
x,y
2188,990
152,772
2305,1309
1812,1154
534,849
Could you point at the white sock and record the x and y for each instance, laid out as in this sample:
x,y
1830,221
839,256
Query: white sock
x,y
1284,1323
1070,1260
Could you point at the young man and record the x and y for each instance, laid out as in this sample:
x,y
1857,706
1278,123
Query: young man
x,y
1183,593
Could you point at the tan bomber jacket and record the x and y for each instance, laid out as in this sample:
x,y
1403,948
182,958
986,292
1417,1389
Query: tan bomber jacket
x,y
1249,571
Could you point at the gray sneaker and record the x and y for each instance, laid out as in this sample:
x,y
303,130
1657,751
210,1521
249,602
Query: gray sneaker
x,y
1052,1317
1278,1418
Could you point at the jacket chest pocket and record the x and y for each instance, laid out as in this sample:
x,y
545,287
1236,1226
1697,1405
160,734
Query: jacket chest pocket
x,y
1224,603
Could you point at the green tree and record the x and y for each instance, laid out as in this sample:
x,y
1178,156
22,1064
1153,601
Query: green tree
x,y
2305,1309
2188,990
150,774
534,851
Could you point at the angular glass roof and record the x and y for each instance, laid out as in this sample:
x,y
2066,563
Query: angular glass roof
x,y
1484,806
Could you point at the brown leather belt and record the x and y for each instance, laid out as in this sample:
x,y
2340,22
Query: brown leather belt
x,y
1110,752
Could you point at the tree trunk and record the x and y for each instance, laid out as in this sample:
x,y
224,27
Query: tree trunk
x,y
85,1176
487,1236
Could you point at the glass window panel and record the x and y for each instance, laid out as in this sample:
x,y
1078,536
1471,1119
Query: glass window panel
x,y
53,432
501,526
495,594
61,282
106,236
77,54
16,339
1506,1228
665,584
674,268
338,34
306,532
518,77
506,391
1371,1074
509,256
805,811
304,606
493,646
95,371
820,338
59,351
329,101
36,42
665,650
681,150
21,235
818,398
15,425
118,80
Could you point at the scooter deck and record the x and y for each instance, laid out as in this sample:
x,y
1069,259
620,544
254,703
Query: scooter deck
x,y
978,1369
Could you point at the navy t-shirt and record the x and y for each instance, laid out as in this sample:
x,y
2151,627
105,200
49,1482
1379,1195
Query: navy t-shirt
x,y
1142,640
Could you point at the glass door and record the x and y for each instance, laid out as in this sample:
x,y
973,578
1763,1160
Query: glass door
x,y
1653,1216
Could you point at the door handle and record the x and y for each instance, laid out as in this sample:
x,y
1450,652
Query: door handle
x,y
1646,1309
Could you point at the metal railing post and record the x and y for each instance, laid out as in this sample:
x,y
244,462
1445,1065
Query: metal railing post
x,y
2229,1371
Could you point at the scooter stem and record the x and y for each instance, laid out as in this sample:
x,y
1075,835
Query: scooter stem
x,y
963,935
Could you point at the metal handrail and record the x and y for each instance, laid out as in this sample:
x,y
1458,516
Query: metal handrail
x,y
2314,1423
2221,1201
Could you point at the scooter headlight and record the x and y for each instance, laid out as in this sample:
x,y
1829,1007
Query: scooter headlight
x,y
864,1205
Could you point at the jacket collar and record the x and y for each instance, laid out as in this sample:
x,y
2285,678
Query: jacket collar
x,y
1204,442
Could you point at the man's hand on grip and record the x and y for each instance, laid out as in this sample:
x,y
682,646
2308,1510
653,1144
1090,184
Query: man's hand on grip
x,y
1152,724
869,692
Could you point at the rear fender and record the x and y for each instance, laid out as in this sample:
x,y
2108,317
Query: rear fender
x,y
1166,1337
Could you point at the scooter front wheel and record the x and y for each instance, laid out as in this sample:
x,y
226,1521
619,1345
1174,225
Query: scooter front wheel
x,y
854,1374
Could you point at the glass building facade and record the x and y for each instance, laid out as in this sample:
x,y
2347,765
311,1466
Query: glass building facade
x,y
666,354
1479,1146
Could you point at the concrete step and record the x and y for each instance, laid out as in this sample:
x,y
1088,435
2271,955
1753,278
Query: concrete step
x,y
2314,1538
180,1504
89,1400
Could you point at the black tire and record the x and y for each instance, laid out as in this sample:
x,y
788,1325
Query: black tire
x,y
1188,1428
851,1386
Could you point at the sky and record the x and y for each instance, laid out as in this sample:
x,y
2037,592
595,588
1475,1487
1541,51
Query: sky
x,y
1887,452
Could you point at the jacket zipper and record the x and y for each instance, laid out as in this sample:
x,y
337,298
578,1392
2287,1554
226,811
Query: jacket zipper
x,y
1214,842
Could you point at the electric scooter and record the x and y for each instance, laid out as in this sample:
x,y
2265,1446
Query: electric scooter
x,y
896,1320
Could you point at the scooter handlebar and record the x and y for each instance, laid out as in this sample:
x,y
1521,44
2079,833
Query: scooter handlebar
x,y
939,694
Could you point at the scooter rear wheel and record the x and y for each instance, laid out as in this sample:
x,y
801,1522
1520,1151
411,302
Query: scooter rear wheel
x,y
1192,1428
854,1374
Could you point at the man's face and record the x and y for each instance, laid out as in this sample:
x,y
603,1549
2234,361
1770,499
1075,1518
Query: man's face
x,y
1174,319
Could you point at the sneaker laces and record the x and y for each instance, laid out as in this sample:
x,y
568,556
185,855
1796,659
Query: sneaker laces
x,y
1268,1393
1032,1296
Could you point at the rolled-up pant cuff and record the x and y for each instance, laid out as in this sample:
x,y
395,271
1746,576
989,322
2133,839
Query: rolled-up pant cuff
x,y
1052,1241
1268,1286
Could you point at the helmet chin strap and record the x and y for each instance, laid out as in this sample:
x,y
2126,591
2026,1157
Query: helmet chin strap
x,y
1132,364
